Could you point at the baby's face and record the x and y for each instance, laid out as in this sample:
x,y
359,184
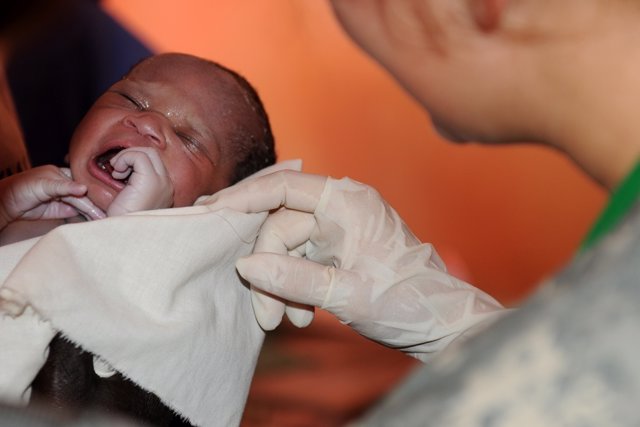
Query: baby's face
x,y
174,104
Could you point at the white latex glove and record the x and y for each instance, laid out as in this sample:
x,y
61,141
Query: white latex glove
x,y
360,262
148,187
45,192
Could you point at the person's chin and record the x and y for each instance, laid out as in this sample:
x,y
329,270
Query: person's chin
x,y
101,196
450,134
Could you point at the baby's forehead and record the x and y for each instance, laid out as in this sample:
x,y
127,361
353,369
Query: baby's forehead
x,y
194,88
200,78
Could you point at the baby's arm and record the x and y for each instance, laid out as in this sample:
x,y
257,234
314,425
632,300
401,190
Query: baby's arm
x,y
148,183
45,192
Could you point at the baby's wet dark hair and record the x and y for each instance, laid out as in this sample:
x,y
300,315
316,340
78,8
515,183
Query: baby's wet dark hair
x,y
254,149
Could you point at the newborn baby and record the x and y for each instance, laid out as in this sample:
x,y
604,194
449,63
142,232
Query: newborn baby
x,y
174,128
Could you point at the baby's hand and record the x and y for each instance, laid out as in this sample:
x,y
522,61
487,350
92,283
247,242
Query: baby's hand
x,y
45,192
148,183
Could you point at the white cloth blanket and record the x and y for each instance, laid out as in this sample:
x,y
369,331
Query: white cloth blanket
x,y
155,294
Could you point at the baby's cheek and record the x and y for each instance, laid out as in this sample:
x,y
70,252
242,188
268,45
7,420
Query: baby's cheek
x,y
182,200
185,191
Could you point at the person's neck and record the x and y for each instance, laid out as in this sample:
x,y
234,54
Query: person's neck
x,y
607,161
600,132
588,103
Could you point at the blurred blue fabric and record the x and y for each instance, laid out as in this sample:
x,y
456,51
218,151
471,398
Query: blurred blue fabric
x,y
57,75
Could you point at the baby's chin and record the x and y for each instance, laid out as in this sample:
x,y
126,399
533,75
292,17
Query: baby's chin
x,y
100,196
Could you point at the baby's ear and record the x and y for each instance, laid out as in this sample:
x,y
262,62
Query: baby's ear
x,y
487,13
66,160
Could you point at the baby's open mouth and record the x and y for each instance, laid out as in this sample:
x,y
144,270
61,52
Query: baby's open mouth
x,y
104,163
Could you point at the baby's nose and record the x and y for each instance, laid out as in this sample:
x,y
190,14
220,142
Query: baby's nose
x,y
148,124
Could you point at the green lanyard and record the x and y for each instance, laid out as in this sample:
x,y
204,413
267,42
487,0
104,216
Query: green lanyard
x,y
620,202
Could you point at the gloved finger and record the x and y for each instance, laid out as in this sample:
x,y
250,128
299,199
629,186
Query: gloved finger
x,y
293,279
291,189
299,251
66,172
76,189
142,160
283,231
85,207
52,210
301,315
39,199
47,189
267,308
128,161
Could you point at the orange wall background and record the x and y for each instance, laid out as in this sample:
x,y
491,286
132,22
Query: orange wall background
x,y
501,217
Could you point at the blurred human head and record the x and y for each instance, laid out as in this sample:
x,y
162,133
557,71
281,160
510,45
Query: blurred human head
x,y
206,122
484,69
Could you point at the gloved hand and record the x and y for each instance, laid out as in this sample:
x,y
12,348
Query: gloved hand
x,y
45,192
148,186
353,256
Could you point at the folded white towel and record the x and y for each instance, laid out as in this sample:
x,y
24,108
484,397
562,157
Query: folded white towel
x,y
155,294
23,339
